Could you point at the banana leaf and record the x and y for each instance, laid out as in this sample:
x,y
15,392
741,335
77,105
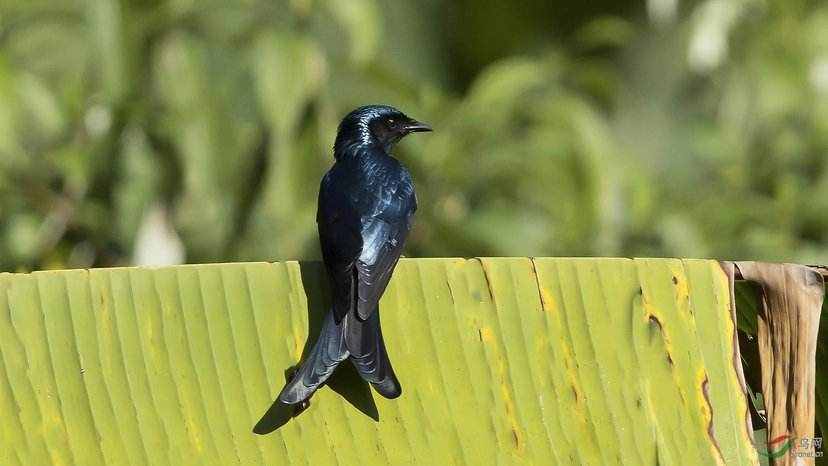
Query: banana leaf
x,y
502,361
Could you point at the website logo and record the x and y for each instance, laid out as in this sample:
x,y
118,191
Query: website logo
x,y
778,446
806,447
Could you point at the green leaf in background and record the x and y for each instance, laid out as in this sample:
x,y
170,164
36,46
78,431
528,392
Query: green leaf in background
x,y
288,73
141,185
362,20
589,129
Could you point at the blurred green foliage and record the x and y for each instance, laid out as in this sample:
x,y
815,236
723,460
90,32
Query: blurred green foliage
x,y
693,129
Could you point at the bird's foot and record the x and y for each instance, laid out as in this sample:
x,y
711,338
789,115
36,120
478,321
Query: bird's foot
x,y
300,407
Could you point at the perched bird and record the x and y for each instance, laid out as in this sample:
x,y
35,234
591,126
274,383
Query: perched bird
x,y
366,207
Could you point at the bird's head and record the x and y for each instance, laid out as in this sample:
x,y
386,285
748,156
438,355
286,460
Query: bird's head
x,y
375,124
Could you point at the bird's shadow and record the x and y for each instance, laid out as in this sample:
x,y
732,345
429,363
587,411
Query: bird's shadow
x,y
345,381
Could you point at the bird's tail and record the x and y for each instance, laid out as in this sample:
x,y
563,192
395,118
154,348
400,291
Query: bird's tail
x,y
364,342
327,353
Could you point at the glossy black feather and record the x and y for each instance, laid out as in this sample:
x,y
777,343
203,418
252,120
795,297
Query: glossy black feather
x,y
366,207
328,351
370,357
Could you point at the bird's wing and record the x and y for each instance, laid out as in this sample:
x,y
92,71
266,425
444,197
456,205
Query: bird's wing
x,y
383,242
341,241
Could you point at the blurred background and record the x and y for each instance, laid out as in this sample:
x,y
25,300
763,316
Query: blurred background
x,y
157,132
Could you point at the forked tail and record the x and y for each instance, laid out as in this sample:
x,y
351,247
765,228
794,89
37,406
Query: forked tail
x,y
361,341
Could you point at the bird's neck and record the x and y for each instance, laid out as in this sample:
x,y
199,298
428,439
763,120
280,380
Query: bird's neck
x,y
357,142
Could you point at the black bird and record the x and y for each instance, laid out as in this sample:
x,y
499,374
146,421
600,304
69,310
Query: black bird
x,y
366,206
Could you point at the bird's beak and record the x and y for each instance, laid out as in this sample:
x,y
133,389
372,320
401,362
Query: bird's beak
x,y
415,126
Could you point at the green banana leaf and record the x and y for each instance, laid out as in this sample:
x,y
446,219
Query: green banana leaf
x,y
503,361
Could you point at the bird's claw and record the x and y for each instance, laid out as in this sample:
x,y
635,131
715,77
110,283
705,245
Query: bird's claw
x,y
301,406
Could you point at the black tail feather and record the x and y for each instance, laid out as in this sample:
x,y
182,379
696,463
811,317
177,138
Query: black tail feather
x,y
327,353
369,356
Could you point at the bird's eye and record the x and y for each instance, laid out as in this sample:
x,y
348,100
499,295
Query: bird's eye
x,y
391,122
